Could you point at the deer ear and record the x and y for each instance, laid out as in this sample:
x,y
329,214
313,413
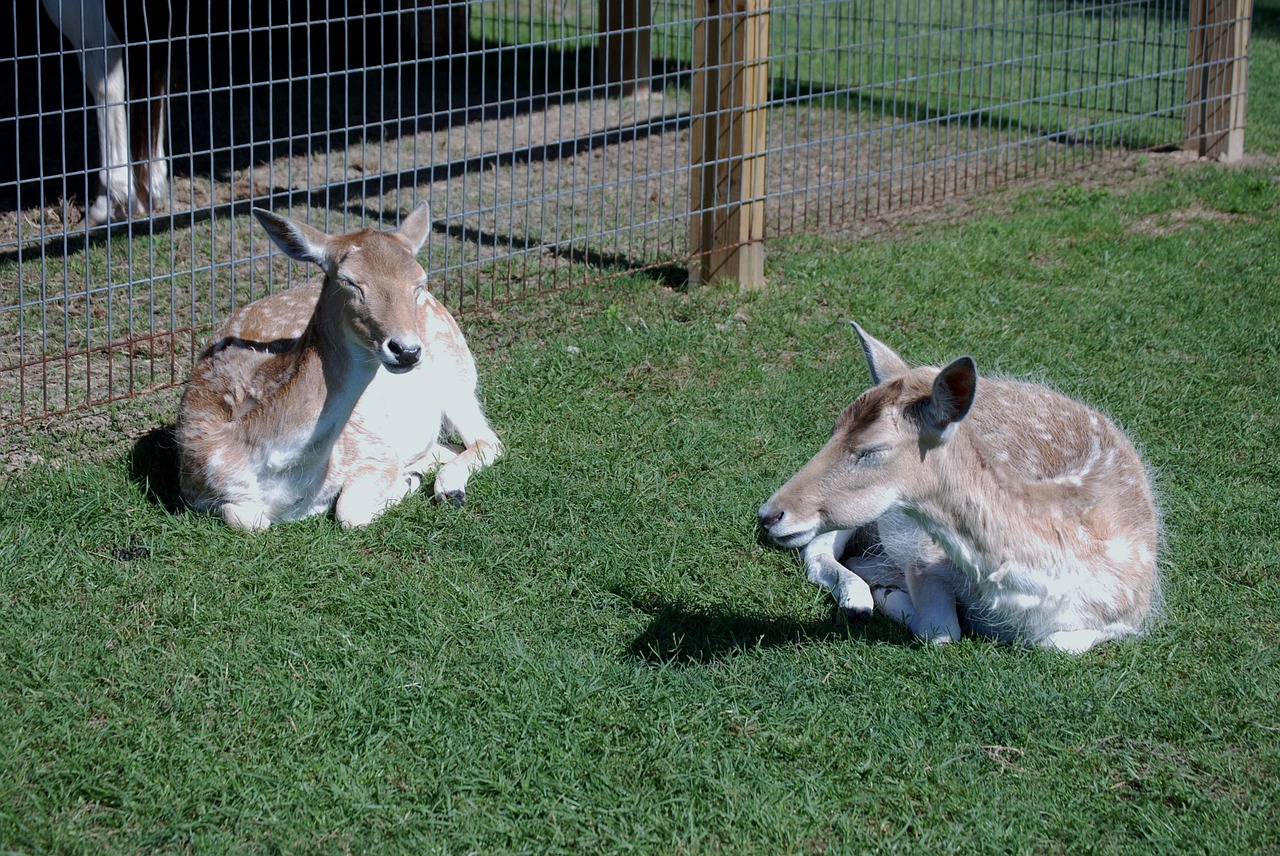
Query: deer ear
x,y
416,226
300,242
881,359
953,392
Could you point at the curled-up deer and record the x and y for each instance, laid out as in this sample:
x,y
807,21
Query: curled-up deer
x,y
339,394
1024,511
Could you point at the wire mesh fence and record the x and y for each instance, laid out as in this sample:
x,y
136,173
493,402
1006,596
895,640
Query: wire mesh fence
x,y
558,144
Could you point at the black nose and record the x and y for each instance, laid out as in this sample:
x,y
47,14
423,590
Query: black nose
x,y
404,356
767,519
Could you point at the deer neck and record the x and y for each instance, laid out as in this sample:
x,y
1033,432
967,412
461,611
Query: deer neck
x,y
982,513
327,375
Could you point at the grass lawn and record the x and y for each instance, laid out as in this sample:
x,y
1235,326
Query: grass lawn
x,y
597,653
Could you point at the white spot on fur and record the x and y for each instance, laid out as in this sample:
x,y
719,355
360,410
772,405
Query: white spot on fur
x,y
1119,550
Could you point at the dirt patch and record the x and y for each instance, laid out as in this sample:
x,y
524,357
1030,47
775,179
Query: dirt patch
x,y
1169,222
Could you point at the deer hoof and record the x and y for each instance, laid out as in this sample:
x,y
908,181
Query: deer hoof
x,y
851,616
456,498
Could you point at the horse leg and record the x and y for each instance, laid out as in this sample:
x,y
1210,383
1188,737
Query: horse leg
x,y
102,62
148,97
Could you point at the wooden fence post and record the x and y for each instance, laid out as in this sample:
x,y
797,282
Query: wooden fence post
x,y
624,56
1218,75
730,97
438,28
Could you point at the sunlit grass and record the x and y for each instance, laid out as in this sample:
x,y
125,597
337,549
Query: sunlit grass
x,y
597,653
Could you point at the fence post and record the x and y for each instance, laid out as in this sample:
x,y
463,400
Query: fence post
x,y
1217,77
624,57
438,28
730,96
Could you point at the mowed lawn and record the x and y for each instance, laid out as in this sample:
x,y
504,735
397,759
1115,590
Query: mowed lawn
x,y
598,653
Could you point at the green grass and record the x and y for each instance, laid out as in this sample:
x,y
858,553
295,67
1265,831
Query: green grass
x,y
597,653
1262,131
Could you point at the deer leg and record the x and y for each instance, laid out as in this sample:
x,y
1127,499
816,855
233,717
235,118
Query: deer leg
x,y
364,498
823,568
480,448
887,584
251,517
1074,641
431,460
934,598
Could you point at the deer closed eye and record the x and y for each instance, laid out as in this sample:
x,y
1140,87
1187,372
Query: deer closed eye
x,y
349,283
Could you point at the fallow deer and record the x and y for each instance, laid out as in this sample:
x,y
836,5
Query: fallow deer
x,y
334,394
1025,511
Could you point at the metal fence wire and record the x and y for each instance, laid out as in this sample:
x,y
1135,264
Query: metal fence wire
x,y
558,143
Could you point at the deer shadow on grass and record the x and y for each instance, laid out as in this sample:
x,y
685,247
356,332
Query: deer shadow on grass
x,y
681,635
153,467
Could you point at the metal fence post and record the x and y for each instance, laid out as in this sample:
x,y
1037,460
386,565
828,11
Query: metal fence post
x,y
730,97
1217,77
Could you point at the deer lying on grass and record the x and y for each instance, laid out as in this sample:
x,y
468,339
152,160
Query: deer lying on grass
x,y
334,394
1028,512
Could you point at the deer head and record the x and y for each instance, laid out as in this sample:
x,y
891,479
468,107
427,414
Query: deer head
x,y
879,450
373,283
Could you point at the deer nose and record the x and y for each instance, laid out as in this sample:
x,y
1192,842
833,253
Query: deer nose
x,y
406,355
768,518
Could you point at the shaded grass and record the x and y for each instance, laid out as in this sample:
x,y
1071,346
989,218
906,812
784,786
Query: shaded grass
x,y
1262,132
597,652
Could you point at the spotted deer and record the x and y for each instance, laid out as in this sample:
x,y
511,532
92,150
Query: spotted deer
x,y
337,394
1024,511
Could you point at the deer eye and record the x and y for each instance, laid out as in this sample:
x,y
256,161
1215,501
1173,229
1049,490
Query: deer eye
x,y
348,282
870,454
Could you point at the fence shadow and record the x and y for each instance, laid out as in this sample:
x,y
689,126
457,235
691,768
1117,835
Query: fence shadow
x,y
1266,22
